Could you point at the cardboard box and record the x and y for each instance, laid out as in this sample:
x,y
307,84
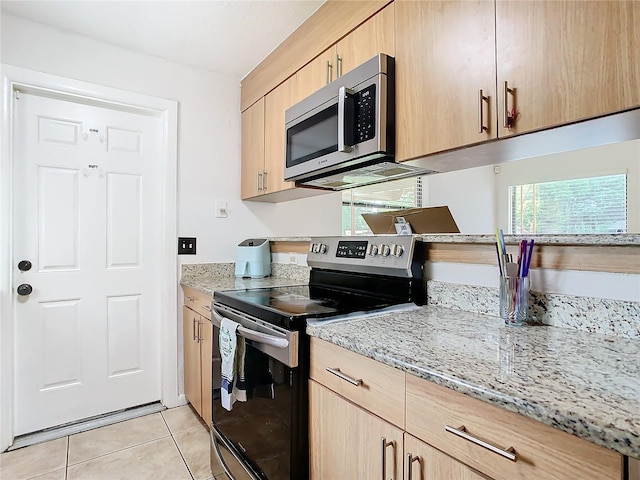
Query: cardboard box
x,y
422,220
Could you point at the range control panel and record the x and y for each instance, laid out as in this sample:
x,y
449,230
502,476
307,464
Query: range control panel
x,y
377,254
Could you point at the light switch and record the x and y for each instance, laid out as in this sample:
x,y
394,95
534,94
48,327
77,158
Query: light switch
x,y
186,246
221,209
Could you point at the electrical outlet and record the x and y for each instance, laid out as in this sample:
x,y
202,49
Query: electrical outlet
x,y
186,246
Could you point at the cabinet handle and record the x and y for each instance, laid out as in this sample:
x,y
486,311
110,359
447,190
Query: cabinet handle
x,y
329,68
189,299
207,308
259,181
508,453
199,331
410,459
195,336
264,180
507,91
384,445
481,100
338,373
338,66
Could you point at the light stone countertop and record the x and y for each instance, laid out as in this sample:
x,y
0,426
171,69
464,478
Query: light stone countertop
x,y
593,239
582,383
211,283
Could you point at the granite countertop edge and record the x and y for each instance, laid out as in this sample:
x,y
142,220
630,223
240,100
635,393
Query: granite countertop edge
x,y
620,437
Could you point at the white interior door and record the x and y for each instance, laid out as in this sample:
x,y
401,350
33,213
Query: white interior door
x,y
88,335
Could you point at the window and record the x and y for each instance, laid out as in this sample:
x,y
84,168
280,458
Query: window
x,y
575,206
381,197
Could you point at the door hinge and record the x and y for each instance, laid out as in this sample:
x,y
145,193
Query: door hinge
x,y
17,93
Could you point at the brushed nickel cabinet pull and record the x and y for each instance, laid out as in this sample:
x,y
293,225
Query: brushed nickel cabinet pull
x,y
508,453
264,180
507,91
338,66
338,373
207,307
195,336
189,299
409,460
199,331
384,445
481,100
259,181
329,68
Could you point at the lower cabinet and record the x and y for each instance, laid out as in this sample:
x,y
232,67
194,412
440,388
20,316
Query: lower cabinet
x,y
197,334
423,462
349,442
418,430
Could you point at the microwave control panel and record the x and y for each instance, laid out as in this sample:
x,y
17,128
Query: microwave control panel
x,y
365,114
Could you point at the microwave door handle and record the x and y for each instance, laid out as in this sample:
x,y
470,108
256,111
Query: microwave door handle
x,y
249,334
346,119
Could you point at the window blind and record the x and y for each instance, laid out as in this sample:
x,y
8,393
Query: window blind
x,y
576,206
380,197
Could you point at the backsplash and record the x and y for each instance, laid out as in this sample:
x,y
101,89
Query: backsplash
x,y
595,315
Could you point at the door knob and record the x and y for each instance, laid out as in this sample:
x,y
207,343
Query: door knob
x,y
25,289
24,265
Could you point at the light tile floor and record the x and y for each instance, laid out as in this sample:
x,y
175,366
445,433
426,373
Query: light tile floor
x,y
170,445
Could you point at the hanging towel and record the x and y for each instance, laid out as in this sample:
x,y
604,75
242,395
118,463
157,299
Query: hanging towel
x,y
228,344
240,387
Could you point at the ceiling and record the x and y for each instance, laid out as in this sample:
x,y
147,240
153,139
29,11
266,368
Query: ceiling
x,y
223,36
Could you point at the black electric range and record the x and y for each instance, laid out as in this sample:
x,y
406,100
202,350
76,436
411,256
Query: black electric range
x,y
266,437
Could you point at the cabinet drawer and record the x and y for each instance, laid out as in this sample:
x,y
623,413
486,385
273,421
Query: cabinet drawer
x,y
542,452
198,301
380,389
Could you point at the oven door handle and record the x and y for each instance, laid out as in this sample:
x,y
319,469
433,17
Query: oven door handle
x,y
249,334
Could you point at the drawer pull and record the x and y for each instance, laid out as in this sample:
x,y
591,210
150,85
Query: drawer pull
x,y
189,299
207,307
462,432
338,373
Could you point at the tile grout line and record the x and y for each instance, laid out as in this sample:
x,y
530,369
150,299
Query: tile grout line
x,y
66,463
184,460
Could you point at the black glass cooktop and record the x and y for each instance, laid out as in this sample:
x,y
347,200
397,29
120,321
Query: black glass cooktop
x,y
290,306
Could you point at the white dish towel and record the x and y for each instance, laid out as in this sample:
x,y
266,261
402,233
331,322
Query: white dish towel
x,y
232,351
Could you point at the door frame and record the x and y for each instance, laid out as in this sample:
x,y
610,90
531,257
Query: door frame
x,y
16,78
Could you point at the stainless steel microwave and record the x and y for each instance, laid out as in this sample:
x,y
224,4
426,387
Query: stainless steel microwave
x,y
343,135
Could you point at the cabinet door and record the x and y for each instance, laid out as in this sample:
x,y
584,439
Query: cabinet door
x,y
192,372
252,150
276,102
428,463
444,58
314,75
346,441
374,36
566,60
206,359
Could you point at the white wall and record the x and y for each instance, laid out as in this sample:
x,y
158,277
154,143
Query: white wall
x,y
208,136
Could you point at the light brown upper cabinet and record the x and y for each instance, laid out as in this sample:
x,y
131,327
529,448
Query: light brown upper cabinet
x,y
263,143
566,61
445,75
374,36
314,75
253,150
276,102
562,61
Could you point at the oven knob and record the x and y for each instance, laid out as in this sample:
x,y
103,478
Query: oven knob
x,y
322,248
384,250
311,247
397,250
372,250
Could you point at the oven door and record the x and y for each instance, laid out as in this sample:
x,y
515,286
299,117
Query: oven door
x,y
255,439
341,132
